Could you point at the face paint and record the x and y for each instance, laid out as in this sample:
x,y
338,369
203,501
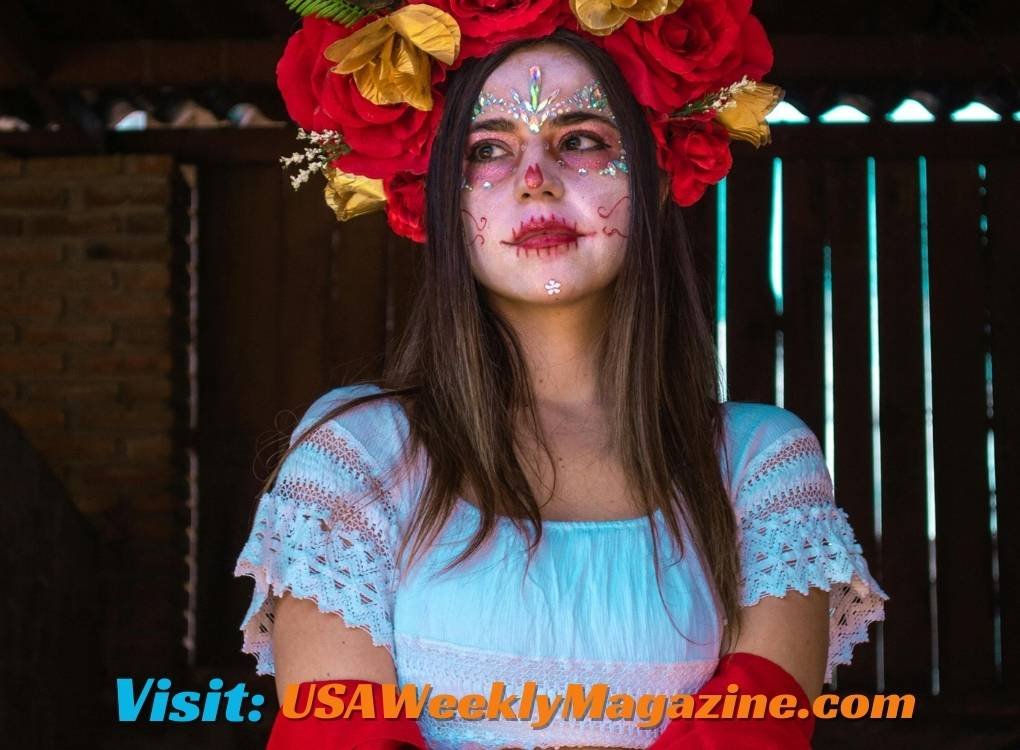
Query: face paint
x,y
534,110
552,286
479,229
609,231
491,158
616,165
533,177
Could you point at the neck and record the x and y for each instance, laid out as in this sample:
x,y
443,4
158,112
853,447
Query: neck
x,y
560,347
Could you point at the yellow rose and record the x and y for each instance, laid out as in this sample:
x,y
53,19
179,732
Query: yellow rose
x,y
603,17
351,195
390,56
744,114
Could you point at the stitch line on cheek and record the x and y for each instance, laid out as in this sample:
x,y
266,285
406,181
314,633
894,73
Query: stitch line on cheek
x,y
609,213
479,226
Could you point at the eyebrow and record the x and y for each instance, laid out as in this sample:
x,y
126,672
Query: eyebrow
x,y
506,125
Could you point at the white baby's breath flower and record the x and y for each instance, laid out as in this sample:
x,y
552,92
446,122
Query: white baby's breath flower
x,y
325,147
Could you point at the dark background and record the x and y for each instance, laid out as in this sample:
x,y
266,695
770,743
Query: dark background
x,y
153,284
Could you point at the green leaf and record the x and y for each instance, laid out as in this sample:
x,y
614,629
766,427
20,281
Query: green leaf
x,y
340,11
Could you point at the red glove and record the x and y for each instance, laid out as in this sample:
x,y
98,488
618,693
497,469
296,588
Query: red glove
x,y
754,675
353,733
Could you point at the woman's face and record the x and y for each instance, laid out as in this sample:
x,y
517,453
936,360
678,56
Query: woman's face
x,y
545,199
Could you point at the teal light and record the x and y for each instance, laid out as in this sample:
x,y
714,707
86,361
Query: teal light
x,y
843,114
776,236
876,393
910,110
136,120
929,426
876,421
776,272
829,374
993,495
720,284
786,114
975,112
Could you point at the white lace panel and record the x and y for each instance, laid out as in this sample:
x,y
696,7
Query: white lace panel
x,y
793,536
461,670
325,532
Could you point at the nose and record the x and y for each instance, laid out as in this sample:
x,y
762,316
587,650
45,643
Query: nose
x,y
538,177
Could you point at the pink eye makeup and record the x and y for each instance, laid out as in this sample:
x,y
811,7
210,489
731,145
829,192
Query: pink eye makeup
x,y
583,135
488,161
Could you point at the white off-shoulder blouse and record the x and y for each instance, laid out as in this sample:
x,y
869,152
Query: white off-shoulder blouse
x,y
588,609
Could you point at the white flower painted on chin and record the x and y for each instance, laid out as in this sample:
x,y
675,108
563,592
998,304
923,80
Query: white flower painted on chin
x,y
552,286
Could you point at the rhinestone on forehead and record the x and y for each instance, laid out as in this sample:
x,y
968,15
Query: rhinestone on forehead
x,y
533,111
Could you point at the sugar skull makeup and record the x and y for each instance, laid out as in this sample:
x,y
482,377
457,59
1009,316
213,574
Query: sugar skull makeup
x,y
534,110
595,148
546,195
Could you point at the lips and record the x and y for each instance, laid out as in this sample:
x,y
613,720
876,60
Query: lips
x,y
545,231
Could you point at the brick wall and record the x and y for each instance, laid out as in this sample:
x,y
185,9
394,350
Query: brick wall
x,y
90,281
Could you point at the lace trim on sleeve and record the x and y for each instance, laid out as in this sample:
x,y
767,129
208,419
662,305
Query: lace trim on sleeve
x,y
324,533
793,536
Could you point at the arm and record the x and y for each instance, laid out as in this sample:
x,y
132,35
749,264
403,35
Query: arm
x,y
312,645
792,631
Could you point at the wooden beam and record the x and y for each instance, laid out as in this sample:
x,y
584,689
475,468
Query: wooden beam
x,y
880,139
24,56
893,58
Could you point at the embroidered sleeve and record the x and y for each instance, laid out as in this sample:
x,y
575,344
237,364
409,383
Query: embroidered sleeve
x,y
325,532
793,536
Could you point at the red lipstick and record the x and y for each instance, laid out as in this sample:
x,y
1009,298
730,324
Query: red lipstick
x,y
542,232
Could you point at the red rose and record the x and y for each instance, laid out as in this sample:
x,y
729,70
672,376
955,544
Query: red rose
x,y
696,153
384,139
703,46
302,70
487,24
405,205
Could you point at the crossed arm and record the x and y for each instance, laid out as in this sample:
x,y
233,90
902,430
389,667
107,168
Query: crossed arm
x,y
792,631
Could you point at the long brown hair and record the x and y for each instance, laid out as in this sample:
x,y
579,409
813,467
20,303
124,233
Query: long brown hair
x,y
459,372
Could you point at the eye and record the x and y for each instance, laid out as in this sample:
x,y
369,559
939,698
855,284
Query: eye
x,y
484,151
572,141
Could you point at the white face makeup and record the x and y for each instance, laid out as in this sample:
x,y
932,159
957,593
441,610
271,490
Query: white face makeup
x,y
545,197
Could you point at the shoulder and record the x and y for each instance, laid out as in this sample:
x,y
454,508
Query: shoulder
x,y
376,428
757,435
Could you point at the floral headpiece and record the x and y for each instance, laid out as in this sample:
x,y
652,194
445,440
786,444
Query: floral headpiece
x,y
365,81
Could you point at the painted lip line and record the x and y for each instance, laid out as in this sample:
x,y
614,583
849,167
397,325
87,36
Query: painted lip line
x,y
542,232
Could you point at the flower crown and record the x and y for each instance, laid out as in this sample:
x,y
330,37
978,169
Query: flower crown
x,y
365,81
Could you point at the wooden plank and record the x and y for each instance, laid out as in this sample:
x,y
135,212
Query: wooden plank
x,y
966,656
1003,184
750,316
803,291
904,569
861,57
878,139
404,260
240,230
846,201
700,223
356,323
304,295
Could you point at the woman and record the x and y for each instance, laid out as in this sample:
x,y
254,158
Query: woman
x,y
545,486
